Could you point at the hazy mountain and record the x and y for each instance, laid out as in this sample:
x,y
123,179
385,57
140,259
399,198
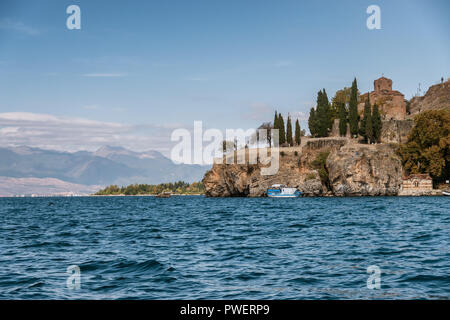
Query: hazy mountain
x,y
42,186
107,165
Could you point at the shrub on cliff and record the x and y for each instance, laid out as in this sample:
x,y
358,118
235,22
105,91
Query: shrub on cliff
x,y
320,164
428,146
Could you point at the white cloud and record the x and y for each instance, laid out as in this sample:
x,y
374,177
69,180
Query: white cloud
x,y
74,134
18,26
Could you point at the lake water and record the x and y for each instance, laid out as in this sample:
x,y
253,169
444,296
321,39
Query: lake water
x,y
234,248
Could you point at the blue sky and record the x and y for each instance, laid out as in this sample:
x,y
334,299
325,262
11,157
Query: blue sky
x,y
147,67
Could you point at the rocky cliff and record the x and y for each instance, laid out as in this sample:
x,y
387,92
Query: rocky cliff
x,y
437,97
352,169
364,170
396,131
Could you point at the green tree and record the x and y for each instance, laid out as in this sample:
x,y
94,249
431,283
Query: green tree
x,y
323,114
312,122
289,131
320,164
376,124
298,133
342,119
365,126
341,97
275,121
268,138
353,109
282,131
428,147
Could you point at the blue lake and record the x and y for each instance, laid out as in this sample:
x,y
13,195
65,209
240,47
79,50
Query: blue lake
x,y
235,248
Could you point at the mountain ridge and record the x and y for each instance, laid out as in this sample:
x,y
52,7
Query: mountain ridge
x,y
107,165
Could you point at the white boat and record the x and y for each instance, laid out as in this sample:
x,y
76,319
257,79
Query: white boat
x,y
445,193
282,191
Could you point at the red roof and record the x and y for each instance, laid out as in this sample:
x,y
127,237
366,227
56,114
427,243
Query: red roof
x,y
422,176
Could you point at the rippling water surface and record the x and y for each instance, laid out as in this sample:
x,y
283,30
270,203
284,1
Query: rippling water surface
x,y
200,248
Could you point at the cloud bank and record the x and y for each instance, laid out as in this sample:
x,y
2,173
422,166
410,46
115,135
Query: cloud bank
x,y
75,134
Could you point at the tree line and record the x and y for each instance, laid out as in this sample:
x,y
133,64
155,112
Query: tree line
x,y
285,133
344,106
179,187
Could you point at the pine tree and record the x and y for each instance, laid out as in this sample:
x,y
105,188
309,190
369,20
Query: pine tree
x,y
289,131
281,128
312,122
297,133
342,112
376,124
353,109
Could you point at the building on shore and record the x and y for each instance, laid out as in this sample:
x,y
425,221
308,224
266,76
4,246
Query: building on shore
x,y
416,184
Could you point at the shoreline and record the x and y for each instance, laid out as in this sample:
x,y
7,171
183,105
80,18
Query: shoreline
x,y
198,195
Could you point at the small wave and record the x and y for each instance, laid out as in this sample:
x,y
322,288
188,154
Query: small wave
x,y
303,280
299,226
427,278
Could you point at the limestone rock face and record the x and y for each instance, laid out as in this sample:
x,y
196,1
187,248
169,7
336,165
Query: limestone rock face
x,y
353,170
437,97
233,180
396,131
246,180
364,170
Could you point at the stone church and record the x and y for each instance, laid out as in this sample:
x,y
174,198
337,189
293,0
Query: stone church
x,y
391,103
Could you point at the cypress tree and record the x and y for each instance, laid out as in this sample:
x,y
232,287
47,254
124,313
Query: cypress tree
x,y
353,109
275,123
281,128
376,124
369,129
328,112
342,120
312,122
289,131
365,128
323,114
297,133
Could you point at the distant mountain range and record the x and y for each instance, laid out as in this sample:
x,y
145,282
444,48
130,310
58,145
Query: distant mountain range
x,y
107,165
